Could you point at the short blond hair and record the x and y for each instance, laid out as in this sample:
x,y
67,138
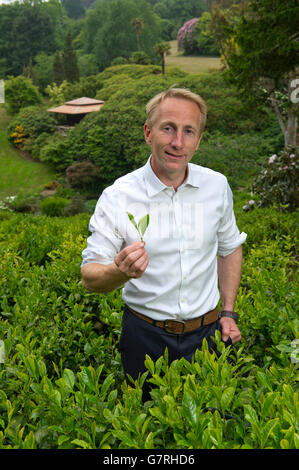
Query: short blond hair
x,y
182,93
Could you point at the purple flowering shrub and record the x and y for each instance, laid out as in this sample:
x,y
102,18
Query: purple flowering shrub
x,y
278,182
187,36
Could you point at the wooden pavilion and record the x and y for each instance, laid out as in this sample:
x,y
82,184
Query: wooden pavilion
x,y
75,110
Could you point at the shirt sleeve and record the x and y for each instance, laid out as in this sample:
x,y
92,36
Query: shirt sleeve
x,y
229,236
104,242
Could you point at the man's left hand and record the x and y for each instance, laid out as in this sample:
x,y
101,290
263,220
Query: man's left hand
x,y
229,329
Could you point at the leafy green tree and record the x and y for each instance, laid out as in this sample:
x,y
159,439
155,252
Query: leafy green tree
x,y
138,25
19,93
8,13
43,70
161,49
225,15
58,70
180,11
206,44
108,31
265,63
74,8
26,29
32,32
70,63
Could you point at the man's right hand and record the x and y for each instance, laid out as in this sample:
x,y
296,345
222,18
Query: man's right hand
x,y
132,260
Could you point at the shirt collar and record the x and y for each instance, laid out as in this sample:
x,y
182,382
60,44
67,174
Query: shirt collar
x,y
154,185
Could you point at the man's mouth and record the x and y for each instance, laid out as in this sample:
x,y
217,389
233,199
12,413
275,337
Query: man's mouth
x,y
172,155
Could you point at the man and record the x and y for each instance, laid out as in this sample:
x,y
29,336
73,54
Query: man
x,y
171,279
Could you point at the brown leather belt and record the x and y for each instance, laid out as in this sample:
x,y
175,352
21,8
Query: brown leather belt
x,y
180,326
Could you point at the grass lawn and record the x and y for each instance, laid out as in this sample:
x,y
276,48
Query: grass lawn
x,y
190,64
17,173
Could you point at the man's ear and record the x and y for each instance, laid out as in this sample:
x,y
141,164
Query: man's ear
x,y
147,134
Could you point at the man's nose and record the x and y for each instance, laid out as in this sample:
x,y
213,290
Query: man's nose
x,y
178,140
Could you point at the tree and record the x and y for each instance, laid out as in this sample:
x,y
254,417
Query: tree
x,y
187,36
138,25
161,49
225,15
32,32
265,63
108,31
58,71
19,93
26,29
74,8
206,44
70,63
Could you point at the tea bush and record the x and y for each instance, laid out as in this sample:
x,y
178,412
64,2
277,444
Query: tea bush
x,y
61,380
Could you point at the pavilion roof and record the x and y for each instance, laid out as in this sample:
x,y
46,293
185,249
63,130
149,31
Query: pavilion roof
x,y
82,105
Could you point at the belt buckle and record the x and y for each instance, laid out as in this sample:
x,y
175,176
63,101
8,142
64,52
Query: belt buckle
x,y
176,321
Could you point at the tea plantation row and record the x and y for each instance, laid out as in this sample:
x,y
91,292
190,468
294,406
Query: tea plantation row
x,y
61,380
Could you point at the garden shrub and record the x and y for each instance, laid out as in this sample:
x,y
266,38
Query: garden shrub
x,y
278,181
19,93
187,37
19,136
238,157
32,124
56,152
53,206
139,57
82,175
76,206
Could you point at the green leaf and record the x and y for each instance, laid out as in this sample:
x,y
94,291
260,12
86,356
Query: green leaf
x,y
143,224
80,443
87,378
69,378
251,415
227,397
189,409
149,364
131,217
267,430
62,439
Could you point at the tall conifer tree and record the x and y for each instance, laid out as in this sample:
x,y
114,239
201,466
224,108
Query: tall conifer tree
x,y
70,63
58,72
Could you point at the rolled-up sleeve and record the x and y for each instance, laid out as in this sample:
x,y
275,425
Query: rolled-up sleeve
x,y
229,236
104,242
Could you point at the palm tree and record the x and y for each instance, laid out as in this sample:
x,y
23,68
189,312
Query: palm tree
x,y
138,24
161,49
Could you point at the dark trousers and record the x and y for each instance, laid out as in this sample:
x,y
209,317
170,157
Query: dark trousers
x,y
139,338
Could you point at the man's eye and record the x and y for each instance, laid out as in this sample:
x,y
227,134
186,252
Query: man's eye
x,y
189,131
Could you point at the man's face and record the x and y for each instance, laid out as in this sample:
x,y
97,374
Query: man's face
x,y
174,137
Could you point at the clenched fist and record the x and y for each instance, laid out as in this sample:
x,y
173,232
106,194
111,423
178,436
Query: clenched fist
x,y
132,260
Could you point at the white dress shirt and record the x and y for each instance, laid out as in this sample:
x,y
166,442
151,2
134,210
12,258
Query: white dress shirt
x,y
187,229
